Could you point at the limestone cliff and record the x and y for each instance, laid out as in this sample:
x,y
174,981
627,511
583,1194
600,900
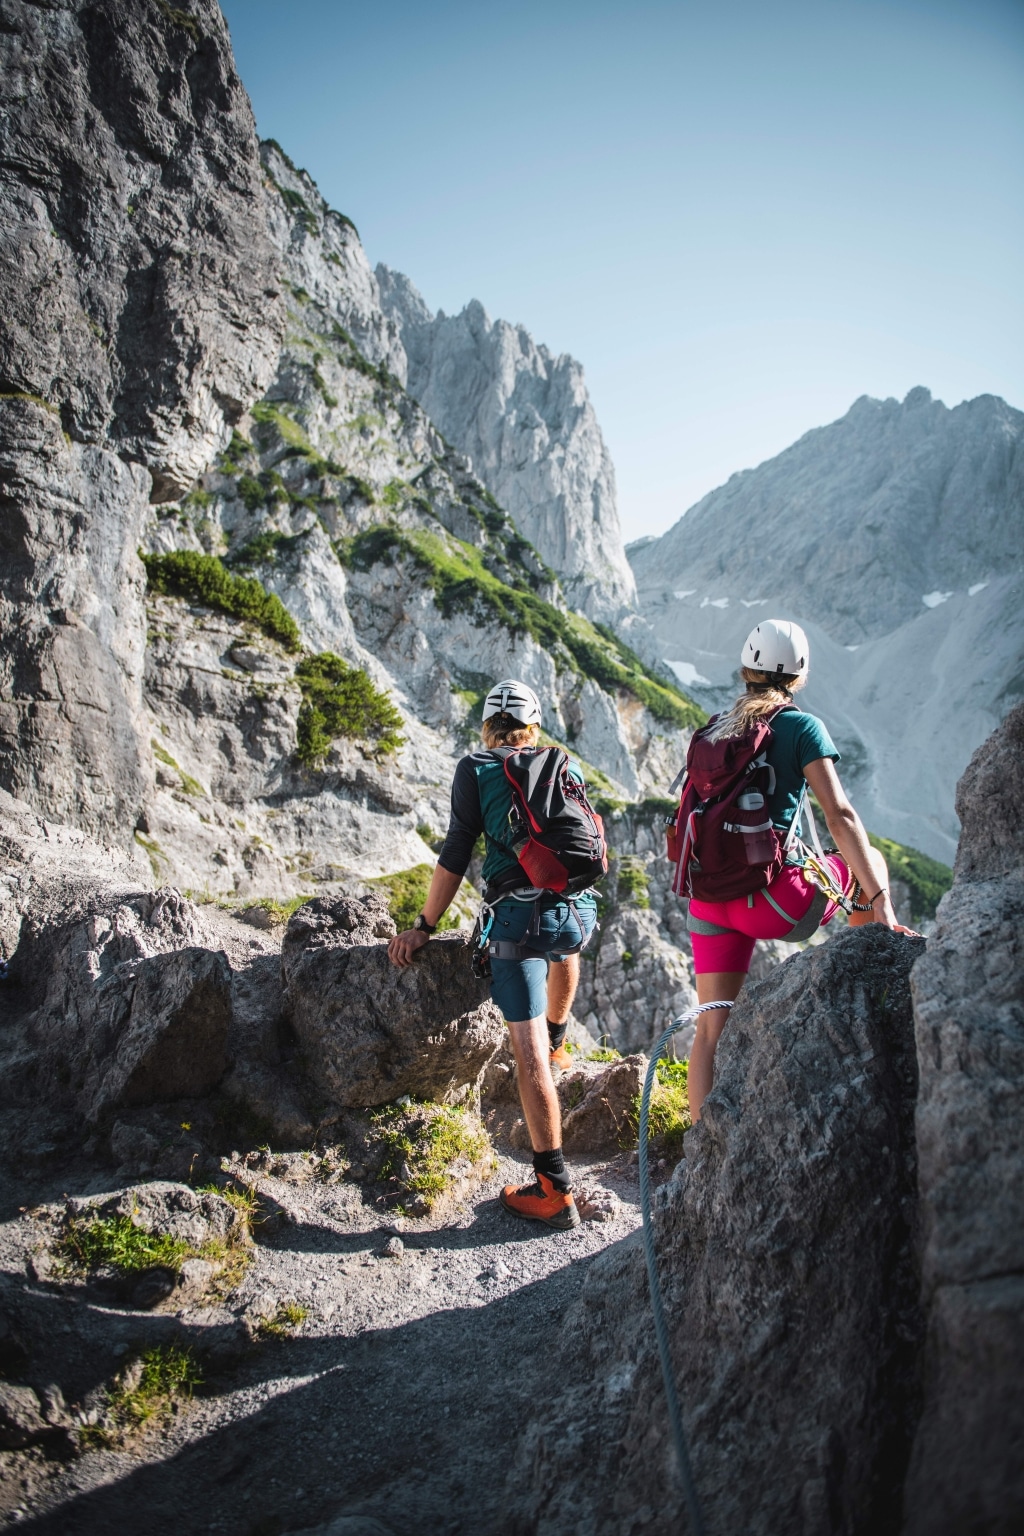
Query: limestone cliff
x,y
525,419
341,496
142,315
195,358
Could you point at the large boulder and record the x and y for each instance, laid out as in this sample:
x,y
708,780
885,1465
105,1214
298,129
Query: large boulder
x,y
786,1251
132,1012
370,1032
967,1471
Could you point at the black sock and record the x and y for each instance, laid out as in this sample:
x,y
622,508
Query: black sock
x,y
552,1166
556,1033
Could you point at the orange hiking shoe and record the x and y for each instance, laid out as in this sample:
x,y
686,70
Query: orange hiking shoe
x,y
541,1201
560,1060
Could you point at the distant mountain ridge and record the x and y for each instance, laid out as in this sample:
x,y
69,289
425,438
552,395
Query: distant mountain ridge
x,y
896,536
861,520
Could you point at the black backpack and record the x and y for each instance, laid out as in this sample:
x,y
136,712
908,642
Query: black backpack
x,y
556,834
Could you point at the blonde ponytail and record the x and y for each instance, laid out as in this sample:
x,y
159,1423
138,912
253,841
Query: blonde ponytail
x,y
765,692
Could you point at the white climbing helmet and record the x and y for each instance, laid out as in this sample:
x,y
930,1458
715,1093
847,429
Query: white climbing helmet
x,y
777,645
514,698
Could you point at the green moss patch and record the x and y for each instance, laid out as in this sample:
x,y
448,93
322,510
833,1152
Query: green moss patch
x,y
206,580
341,701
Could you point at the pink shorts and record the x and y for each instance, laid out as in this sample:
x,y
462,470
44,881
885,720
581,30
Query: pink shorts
x,y
745,919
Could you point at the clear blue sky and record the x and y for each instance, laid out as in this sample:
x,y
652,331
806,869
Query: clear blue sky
x,y
739,216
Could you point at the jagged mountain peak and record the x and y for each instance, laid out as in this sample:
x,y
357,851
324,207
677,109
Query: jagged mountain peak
x,y
524,418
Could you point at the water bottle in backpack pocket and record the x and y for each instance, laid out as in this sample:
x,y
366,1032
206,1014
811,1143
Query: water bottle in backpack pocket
x,y
751,822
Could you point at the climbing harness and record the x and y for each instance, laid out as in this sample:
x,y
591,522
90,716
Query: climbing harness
x,y
484,949
817,870
653,1284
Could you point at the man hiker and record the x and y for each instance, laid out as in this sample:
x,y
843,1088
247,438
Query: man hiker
x,y
534,934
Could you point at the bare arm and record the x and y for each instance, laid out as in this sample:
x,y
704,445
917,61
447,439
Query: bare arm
x,y
443,887
847,829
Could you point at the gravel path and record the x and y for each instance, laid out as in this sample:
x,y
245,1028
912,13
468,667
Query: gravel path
x,y
401,1395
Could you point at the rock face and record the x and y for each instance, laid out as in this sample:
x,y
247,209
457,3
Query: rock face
x,y
895,536
142,315
598,1114
525,419
786,1250
155,246
969,1007
337,453
46,869
143,292
371,1033
120,1025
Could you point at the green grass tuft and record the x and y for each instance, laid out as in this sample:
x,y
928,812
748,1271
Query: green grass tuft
x,y
205,579
280,911
116,1242
428,1139
189,785
24,394
288,1317
669,1117
149,1388
631,879
341,701
179,18
273,418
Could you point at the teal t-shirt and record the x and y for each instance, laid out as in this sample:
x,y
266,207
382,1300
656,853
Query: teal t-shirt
x,y
797,739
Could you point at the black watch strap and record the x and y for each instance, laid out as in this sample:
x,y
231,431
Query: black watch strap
x,y
422,926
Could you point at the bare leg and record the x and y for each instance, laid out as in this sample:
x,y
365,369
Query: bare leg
x,y
536,1088
880,870
713,987
563,979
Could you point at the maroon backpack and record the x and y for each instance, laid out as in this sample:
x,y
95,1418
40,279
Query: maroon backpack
x,y
721,838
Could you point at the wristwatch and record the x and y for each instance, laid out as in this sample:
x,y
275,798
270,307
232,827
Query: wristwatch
x,y
422,926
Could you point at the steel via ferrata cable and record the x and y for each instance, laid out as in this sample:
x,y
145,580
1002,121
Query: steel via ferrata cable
x,y
653,1284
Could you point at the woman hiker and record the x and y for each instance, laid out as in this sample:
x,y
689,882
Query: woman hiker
x,y
774,666
534,992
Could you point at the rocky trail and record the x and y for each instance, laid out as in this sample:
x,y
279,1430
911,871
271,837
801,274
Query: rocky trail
x,y
425,1348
